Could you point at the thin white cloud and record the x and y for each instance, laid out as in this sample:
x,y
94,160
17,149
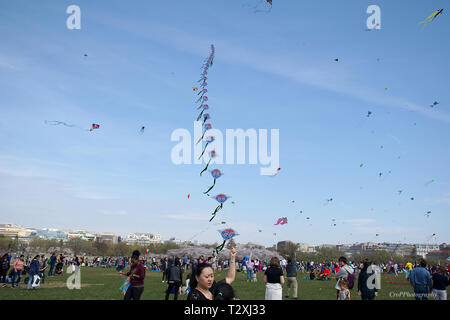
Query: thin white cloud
x,y
194,217
284,66
114,213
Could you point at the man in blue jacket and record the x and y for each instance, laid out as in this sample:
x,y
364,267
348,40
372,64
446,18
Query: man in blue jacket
x,y
34,270
420,280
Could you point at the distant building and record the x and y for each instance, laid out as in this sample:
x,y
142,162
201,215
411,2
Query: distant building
x,y
80,234
14,231
53,234
143,238
424,249
110,238
173,240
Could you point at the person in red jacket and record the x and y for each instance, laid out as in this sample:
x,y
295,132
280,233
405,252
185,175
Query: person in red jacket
x,y
137,275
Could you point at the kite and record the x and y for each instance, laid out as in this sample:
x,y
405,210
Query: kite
x,y
212,154
194,88
361,165
431,237
123,289
434,104
208,141
227,234
400,191
204,107
202,99
412,198
432,16
203,91
428,214
336,60
274,234
266,4
281,221
369,113
307,218
278,170
216,174
328,201
142,130
189,195
94,126
380,174
221,198
301,212
429,182
206,116
206,127
259,230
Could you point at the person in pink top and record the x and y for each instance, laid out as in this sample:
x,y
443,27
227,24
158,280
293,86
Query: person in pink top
x,y
18,267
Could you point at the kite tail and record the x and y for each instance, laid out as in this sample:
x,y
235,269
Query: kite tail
x,y
201,137
205,167
215,211
203,150
200,115
210,187
204,120
220,248
199,99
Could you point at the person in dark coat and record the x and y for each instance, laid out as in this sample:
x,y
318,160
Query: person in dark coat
x,y
174,278
367,289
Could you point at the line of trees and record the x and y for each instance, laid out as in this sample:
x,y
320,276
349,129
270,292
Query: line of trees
x,y
78,247
329,254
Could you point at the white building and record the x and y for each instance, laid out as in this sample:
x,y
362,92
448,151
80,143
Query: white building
x,y
143,238
423,249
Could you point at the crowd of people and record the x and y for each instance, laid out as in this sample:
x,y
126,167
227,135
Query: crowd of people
x,y
199,283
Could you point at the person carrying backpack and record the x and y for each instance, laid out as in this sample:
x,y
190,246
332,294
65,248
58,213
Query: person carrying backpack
x,y
345,272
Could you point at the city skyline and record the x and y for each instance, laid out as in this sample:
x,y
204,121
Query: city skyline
x,y
355,111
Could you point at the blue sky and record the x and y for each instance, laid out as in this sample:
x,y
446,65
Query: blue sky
x,y
271,71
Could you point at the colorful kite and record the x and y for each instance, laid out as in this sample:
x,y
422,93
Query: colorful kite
x,y
206,116
94,126
428,214
227,234
281,221
221,198
209,140
216,174
206,127
204,107
431,17
212,154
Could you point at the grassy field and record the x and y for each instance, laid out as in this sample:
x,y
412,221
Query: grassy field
x,y
104,284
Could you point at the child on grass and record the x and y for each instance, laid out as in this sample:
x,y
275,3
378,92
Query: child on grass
x,y
344,293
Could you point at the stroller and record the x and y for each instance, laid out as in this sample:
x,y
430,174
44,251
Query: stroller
x,y
59,268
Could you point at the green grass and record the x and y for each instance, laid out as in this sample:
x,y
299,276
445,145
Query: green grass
x,y
104,284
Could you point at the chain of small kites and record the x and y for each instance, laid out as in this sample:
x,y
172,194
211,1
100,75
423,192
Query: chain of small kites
x,y
202,90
